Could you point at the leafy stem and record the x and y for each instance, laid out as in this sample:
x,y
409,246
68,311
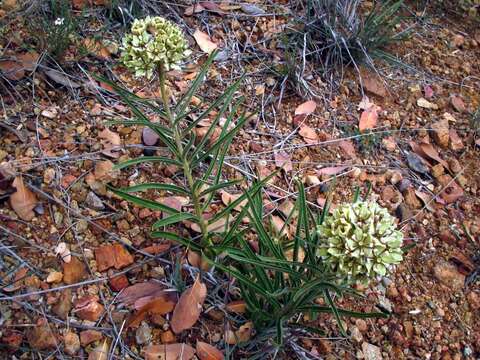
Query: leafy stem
x,y
187,170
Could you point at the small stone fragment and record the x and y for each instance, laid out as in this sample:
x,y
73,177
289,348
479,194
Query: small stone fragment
x,y
118,282
72,343
54,277
64,304
424,103
448,275
94,202
88,308
371,352
457,103
41,337
115,255
441,133
89,336
74,271
48,176
143,334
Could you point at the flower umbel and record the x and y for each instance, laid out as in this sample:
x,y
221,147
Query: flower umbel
x,y
360,241
153,42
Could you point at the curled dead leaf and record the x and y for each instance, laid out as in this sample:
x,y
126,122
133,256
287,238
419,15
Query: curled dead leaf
x,y
111,142
306,108
204,41
23,201
189,307
161,305
243,334
208,352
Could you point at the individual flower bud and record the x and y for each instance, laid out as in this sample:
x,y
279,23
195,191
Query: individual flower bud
x,y
360,241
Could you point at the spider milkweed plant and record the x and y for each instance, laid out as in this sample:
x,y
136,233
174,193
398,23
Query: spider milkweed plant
x,y
200,160
283,278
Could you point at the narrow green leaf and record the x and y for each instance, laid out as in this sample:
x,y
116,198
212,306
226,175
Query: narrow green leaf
x,y
143,202
172,219
156,186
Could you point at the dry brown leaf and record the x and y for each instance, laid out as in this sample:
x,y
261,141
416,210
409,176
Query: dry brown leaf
x,y
426,150
115,255
15,68
306,108
111,143
228,198
161,305
283,160
100,352
133,293
308,134
23,201
426,198
169,352
369,117
74,271
278,224
334,170
243,334
17,282
189,307
452,190
218,226
208,352
286,207
348,148
204,42
193,9
238,306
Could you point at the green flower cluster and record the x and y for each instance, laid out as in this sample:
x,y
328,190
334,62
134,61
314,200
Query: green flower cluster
x,y
360,241
153,42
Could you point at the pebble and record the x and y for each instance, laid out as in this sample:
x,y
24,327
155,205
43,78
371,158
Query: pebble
x,y
371,352
449,276
385,304
94,202
72,343
143,334
356,335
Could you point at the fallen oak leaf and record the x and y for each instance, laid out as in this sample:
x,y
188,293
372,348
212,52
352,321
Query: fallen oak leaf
x,y
308,134
132,294
208,352
169,352
23,201
189,307
204,41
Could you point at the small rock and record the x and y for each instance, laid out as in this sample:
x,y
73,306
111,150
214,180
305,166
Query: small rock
x,y
252,9
403,212
411,198
415,162
446,236
118,282
458,41
362,325
72,343
41,337
396,177
424,103
438,170
88,308
89,336
50,113
48,176
54,277
123,225
371,352
168,337
392,291
94,202
74,271
473,299
448,275
456,143
389,143
356,335
324,346
143,334
149,137
457,103
441,133
384,304
64,304
454,165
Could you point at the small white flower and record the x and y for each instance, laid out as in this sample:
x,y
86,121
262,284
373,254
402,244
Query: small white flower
x,y
59,21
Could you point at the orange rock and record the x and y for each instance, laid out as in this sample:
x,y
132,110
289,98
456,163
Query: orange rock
x,y
167,337
118,283
89,336
74,271
115,255
88,308
41,337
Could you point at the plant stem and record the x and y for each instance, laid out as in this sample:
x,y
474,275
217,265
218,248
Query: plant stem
x,y
186,165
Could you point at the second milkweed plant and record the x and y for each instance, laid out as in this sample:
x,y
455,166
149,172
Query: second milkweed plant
x,y
360,241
